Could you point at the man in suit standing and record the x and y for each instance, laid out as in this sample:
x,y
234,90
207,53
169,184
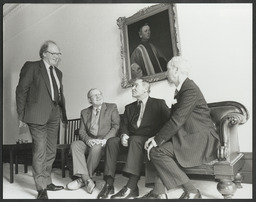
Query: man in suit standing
x,y
188,139
142,120
99,122
40,105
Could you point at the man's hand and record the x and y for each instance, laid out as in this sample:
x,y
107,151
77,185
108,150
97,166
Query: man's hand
x,y
102,142
22,124
124,140
91,142
149,144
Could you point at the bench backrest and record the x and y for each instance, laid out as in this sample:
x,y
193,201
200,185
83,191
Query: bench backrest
x,y
218,111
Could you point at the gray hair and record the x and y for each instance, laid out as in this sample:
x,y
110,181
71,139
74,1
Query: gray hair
x,y
145,84
181,63
89,92
44,47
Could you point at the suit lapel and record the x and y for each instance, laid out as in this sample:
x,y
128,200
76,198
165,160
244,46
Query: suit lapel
x,y
89,116
45,76
102,114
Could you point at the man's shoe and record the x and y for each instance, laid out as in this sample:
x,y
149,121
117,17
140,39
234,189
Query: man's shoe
x,y
126,193
187,195
89,186
53,187
76,184
152,195
42,194
106,191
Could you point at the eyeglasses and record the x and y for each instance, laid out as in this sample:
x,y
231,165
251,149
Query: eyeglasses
x,y
54,54
93,96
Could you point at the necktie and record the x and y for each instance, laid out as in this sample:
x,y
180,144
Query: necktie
x,y
95,123
97,111
137,112
55,87
175,93
140,114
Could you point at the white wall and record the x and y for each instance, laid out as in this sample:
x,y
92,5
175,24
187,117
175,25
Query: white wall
x,y
216,38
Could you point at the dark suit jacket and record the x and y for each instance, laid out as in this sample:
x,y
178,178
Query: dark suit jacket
x,y
109,121
33,94
190,128
156,113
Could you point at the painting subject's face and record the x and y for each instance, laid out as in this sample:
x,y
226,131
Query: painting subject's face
x,y
145,33
52,55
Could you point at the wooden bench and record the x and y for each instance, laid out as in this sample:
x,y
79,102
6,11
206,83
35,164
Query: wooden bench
x,y
227,116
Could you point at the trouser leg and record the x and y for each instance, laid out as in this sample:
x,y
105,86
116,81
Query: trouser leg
x,y
78,150
112,151
135,156
93,159
38,134
167,168
44,141
51,150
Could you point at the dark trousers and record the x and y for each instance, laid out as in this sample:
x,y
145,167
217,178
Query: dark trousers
x,y
168,169
44,141
135,155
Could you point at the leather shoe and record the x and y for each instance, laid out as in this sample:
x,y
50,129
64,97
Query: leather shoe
x,y
42,194
126,193
53,187
105,192
89,186
152,195
187,195
76,184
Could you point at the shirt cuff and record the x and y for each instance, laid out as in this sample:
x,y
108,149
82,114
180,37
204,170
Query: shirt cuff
x,y
154,143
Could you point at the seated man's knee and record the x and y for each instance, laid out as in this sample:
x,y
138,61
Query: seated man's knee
x,y
154,153
138,140
113,141
96,149
74,145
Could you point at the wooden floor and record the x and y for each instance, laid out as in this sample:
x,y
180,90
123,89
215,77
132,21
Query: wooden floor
x,y
24,188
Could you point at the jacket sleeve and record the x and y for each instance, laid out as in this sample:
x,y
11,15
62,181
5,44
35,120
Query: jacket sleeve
x,y
165,112
115,123
125,123
22,89
181,113
82,130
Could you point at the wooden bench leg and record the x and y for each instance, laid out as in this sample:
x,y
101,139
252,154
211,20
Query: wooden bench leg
x,y
227,188
16,164
25,163
63,162
238,180
11,167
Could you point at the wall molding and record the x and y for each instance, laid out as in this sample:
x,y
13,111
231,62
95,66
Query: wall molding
x,y
12,9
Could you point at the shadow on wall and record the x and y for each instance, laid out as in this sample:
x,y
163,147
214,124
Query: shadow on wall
x,y
10,118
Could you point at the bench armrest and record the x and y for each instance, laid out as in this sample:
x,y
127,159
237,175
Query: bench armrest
x,y
233,114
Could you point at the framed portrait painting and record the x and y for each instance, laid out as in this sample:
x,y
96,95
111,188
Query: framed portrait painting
x,y
149,39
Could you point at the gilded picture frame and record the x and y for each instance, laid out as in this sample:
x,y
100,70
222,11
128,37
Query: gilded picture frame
x,y
161,20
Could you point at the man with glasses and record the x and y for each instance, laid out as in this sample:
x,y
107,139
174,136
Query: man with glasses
x,y
99,122
40,105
